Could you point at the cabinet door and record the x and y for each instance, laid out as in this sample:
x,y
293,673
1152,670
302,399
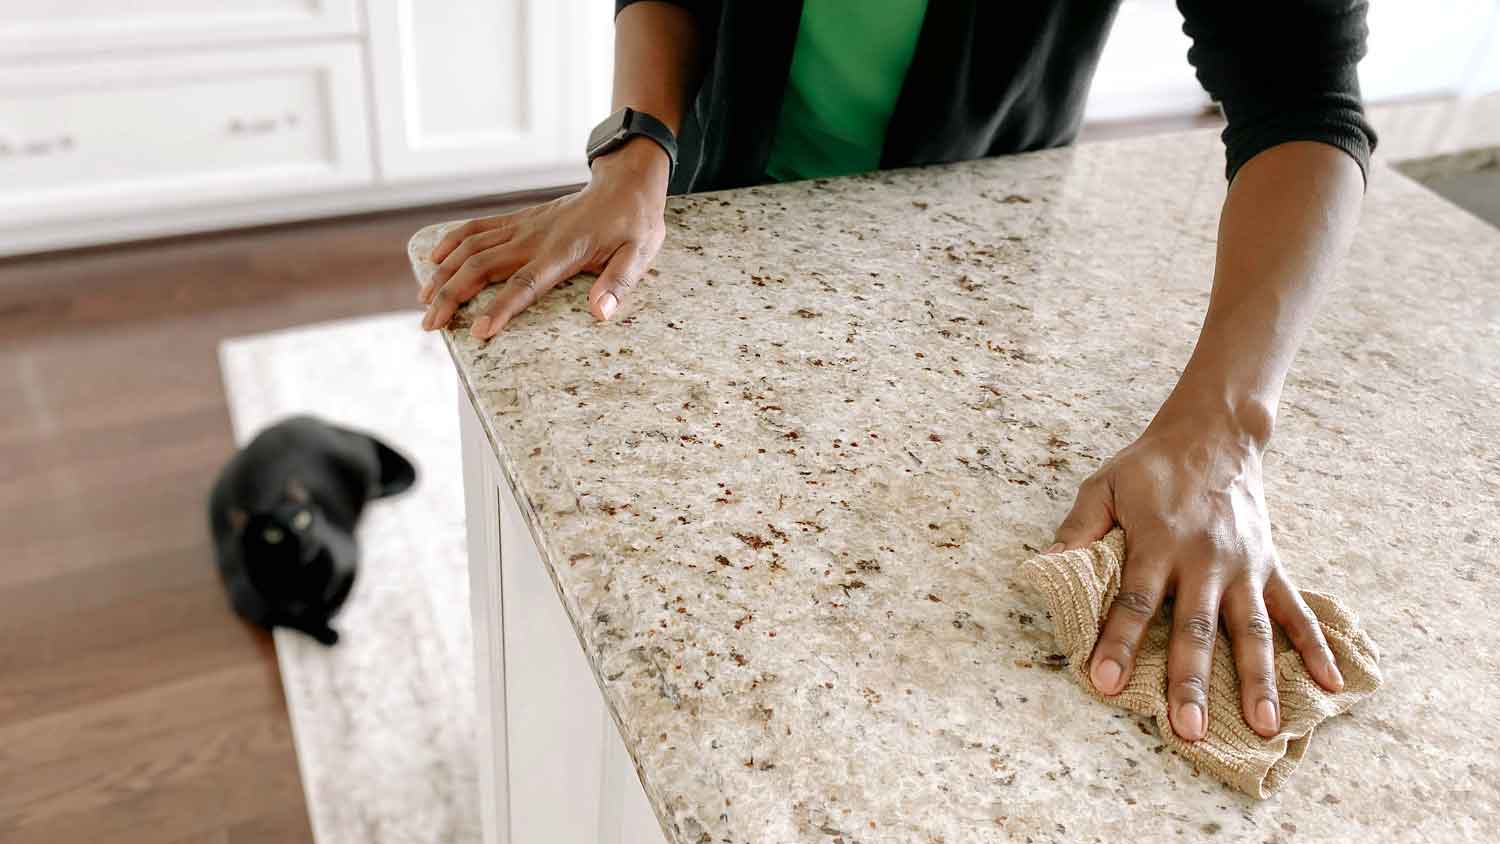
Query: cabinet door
x,y
1485,78
505,89
1425,49
29,28
109,139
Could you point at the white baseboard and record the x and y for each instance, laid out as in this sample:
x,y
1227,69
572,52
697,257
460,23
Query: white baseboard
x,y
53,235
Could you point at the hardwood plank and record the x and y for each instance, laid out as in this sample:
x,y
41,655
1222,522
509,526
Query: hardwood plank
x,y
43,608
284,827
119,723
161,639
184,782
127,509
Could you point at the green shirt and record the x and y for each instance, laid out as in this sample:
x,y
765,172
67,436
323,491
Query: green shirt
x,y
848,66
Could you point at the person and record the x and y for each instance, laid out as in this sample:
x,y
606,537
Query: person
x,y
753,92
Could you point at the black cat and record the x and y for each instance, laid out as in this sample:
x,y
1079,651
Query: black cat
x,y
283,513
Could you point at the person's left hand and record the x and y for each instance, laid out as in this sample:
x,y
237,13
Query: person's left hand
x,y
1188,494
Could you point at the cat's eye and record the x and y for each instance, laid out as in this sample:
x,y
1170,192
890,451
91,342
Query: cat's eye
x,y
302,521
273,535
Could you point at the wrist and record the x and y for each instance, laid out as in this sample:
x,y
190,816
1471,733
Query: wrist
x,y
640,163
1244,419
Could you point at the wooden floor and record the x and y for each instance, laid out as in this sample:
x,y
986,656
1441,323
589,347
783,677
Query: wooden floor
x,y
134,707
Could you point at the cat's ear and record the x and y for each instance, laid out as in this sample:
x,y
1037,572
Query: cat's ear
x,y
397,475
238,519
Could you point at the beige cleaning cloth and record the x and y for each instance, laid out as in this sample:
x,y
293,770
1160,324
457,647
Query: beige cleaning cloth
x,y
1079,587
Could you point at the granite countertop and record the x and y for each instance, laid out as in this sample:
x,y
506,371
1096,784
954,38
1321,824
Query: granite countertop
x,y
783,498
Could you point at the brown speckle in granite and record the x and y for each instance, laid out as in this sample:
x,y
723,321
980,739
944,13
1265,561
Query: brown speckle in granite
x,y
754,540
1078,308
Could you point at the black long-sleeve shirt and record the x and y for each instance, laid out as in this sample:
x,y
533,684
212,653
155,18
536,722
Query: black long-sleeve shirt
x,y
990,78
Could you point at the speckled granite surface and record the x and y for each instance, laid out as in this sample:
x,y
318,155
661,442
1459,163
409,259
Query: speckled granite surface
x,y
784,499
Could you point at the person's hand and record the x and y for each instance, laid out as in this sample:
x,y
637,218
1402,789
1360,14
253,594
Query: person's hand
x,y
613,227
1188,494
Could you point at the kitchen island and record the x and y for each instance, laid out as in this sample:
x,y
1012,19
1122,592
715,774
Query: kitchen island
x,y
754,542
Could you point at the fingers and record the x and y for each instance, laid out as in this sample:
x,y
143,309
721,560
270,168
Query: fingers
x,y
1254,660
1195,629
458,234
1092,516
456,257
525,286
1288,609
478,271
618,280
1140,595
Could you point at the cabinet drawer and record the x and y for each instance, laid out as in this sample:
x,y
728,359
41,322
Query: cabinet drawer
x,y
86,140
29,28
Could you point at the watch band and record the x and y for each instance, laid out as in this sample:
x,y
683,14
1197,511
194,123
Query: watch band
x,y
625,124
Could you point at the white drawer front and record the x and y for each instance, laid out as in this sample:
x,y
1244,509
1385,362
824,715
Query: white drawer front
x,y
30,28
88,140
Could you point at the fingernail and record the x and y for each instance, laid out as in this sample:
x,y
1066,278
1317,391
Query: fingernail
x,y
1053,548
427,321
422,294
1106,675
1338,676
1189,721
607,304
1265,713
481,327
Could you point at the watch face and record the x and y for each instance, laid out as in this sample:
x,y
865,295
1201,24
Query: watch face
x,y
612,129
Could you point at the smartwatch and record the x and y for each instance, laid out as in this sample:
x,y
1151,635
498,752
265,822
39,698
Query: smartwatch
x,y
626,124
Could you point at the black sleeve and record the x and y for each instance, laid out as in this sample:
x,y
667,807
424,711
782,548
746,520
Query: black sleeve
x,y
1282,70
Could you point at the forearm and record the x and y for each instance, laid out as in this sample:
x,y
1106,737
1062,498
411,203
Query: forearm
x,y
658,64
1286,224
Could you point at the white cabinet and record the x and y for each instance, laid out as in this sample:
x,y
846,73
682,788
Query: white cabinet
x,y
1428,48
1486,76
493,88
552,764
32,28
123,119
89,140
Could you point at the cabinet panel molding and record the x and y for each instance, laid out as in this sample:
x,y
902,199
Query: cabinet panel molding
x,y
92,140
31,29
486,86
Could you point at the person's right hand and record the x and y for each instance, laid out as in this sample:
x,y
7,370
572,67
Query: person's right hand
x,y
613,227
